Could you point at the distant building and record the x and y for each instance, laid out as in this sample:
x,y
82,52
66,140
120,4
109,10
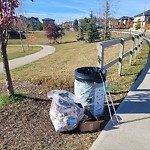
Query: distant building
x,y
67,25
24,19
99,22
20,22
113,23
144,18
125,19
48,20
35,21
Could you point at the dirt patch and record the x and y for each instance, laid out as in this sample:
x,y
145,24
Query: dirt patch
x,y
24,86
28,125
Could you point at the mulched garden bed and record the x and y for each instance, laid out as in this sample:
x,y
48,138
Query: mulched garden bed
x,y
27,125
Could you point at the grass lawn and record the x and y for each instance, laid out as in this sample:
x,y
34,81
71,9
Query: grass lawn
x,y
17,51
35,37
56,71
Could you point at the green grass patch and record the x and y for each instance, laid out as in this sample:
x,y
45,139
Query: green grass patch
x,y
40,38
17,51
129,73
16,99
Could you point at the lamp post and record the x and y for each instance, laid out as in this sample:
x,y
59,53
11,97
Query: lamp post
x,y
143,14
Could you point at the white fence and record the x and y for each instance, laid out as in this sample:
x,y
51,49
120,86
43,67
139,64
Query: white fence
x,y
136,45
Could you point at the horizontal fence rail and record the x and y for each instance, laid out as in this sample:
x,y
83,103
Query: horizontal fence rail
x,y
136,44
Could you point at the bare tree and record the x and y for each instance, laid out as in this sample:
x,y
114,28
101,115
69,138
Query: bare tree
x,y
107,34
108,9
7,10
23,23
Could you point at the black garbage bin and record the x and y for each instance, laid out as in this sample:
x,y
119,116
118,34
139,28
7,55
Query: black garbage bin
x,y
88,87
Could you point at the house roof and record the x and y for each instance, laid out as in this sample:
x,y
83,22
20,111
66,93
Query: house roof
x,y
36,18
146,13
125,18
48,19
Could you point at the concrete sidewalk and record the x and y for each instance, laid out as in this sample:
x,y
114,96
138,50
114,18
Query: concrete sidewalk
x,y
133,131
15,63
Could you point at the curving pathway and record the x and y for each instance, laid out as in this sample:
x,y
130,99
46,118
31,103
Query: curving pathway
x,y
15,63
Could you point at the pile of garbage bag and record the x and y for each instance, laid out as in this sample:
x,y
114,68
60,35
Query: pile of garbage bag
x,y
65,114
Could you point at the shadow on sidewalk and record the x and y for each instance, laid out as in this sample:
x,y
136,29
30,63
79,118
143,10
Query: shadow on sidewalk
x,y
135,103
144,72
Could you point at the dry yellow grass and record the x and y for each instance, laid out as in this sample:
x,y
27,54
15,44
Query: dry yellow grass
x,y
57,69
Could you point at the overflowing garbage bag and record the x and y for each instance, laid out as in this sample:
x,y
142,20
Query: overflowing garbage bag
x,y
65,114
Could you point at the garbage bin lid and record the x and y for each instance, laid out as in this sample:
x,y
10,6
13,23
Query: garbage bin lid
x,y
90,74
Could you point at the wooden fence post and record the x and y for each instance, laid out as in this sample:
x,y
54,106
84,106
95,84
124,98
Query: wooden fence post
x,y
141,40
136,47
138,42
132,49
121,56
100,47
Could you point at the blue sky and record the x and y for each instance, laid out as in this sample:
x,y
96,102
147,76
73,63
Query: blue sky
x,y
66,10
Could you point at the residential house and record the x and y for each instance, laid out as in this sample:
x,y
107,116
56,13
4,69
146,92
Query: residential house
x,y
124,19
34,21
47,21
99,23
144,18
113,23
20,23
67,25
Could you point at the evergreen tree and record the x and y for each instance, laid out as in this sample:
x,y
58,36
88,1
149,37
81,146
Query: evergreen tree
x,y
92,33
87,29
31,25
44,25
83,24
138,24
80,34
75,25
39,26
82,29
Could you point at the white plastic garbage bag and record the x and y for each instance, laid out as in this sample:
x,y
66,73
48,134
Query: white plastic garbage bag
x,y
65,114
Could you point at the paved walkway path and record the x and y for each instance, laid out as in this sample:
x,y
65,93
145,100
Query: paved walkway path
x,y
15,63
133,131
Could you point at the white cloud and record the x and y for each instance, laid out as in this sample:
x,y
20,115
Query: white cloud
x,y
75,8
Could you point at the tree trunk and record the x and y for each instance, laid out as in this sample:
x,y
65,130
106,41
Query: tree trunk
x,y
106,21
4,39
26,35
21,41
